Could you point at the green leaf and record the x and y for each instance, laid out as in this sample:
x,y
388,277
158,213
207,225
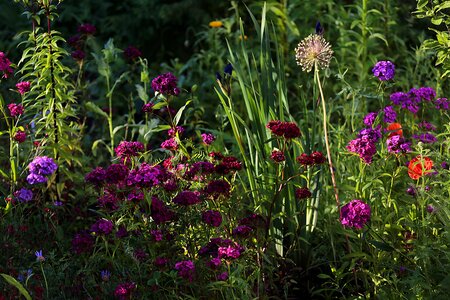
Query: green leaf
x,y
95,109
18,285
141,92
177,117
381,246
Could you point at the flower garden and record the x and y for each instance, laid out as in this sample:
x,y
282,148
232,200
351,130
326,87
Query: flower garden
x,y
270,150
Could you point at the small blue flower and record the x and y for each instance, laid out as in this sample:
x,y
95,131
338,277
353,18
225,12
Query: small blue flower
x,y
105,275
39,256
319,28
228,69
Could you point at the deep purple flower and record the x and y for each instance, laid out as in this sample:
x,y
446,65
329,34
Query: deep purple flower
x,y
170,144
288,130
87,29
140,255
116,173
160,212
228,164
222,276
15,110
172,132
135,196
212,217
355,214
157,235
318,157
24,195
216,188
20,136
254,221
122,232
78,55
126,149
370,118
389,114
166,84
96,176
23,87
124,291
108,201
43,165
5,65
305,160
186,269
364,147
426,93
384,70
146,176
148,107
102,226
373,134
214,263
442,103
105,275
277,156
445,165
82,242
230,251
186,198
430,208
426,138
397,144
208,138
132,53
160,261
243,231
302,193
411,190
36,178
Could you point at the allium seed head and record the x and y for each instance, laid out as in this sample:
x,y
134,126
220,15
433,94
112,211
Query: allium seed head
x,y
313,50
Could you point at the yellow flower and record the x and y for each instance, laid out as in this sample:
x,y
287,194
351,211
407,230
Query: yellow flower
x,y
215,24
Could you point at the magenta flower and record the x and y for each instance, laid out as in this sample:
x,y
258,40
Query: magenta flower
x,y
277,156
148,107
15,109
87,29
124,291
23,87
102,227
20,136
302,193
355,214
166,84
126,149
132,53
170,144
208,138
212,217
5,65
186,269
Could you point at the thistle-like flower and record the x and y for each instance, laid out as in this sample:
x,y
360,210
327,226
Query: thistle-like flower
x,y
313,50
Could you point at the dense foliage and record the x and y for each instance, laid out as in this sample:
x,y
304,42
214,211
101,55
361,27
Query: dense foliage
x,y
272,150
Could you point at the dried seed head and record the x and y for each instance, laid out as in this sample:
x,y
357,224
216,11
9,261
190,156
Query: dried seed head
x,y
314,49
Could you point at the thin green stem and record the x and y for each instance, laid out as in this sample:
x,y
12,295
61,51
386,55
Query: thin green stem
x,y
45,279
327,144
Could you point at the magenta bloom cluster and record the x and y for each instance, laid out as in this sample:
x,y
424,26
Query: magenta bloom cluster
x,y
355,214
15,110
126,149
288,130
39,168
23,87
384,70
166,84
412,99
5,65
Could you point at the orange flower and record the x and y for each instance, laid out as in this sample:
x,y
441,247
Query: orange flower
x,y
215,24
395,129
419,166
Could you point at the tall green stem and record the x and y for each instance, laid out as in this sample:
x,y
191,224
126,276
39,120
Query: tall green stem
x,y
325,132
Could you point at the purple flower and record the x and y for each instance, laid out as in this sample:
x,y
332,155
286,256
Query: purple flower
x,y
427,126
427,138
389,114
430,208
373,134
42,165
15,110
36,179
160,212
116,173
355,214
208,138
170,144
397,144
212,217
96,176
126,149
166,84
277,156
230,251
364,147
23,87
186,198
442,103
186,269
242,231
122,232
87,29
24,195
411,190
384,70
82,242
172,132
148,107
214,263
140,255
132,53
123,291
39,256
302,193
105,275
20,136
157,235
160,261
426,93
445,165
5,65
222,276
216,188
370,118
102,226
78,55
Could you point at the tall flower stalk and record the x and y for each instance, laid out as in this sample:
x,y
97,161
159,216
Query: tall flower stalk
x,y
315,52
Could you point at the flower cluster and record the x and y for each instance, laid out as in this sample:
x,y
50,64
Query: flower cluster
x,y
5,65
24,195
355,214
102,227
87,29
186,269
126,149
132,53
208,138
288,130
124,291
315,158
23,87
40,167
384,70
277,156
15,110
166,84
413,98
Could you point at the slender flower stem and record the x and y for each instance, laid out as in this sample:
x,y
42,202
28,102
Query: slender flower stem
x,y
327,144
45,278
